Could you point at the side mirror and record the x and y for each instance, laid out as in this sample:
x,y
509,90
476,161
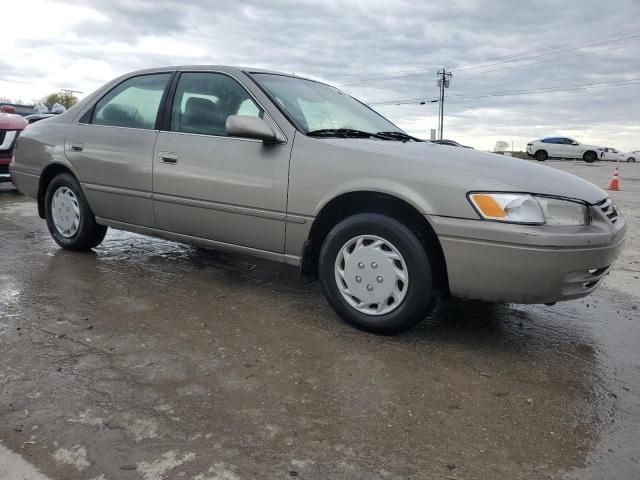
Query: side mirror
x,y
575,143
251,127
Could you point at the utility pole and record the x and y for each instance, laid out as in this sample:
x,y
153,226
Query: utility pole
x,y
444,80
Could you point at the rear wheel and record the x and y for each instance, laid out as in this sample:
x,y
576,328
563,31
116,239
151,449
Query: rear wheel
x,y
69,218
590,156
376,274
541,155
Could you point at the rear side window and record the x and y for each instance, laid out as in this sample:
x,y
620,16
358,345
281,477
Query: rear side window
x,y
133,104
204,101
552,140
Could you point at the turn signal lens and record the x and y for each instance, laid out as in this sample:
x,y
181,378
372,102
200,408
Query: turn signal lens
x,y
488,206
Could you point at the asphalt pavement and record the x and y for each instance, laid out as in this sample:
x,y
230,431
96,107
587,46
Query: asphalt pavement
x,y
147,359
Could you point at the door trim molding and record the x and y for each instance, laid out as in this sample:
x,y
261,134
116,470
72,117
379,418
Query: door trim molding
x,y
117,190
223,207
191,202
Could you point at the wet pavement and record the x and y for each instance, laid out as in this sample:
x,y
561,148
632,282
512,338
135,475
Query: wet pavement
x,y
147,359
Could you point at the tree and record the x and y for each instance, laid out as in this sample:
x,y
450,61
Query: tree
x,y
66,99
501,146
17,101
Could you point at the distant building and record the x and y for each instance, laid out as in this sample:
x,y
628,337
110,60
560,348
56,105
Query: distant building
x,y
23,110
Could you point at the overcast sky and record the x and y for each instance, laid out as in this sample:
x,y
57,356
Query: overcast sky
x,y
376,50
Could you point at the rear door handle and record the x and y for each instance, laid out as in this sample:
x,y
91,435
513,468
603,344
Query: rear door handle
x,y
77,147
168,157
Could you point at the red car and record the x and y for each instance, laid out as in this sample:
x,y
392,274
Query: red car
x,y
10,126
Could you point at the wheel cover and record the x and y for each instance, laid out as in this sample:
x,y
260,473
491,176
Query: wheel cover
x,y
65,212
371,275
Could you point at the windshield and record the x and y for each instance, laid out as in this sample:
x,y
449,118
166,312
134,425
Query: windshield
x,y
315,106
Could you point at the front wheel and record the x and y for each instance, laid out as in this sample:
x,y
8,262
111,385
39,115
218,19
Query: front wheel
x,y
376,274
631,160
69,218
590,157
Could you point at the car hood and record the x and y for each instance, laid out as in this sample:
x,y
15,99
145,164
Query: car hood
x,y
515,174
10,121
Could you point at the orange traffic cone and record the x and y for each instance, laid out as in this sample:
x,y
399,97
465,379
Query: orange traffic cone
x,y
615,181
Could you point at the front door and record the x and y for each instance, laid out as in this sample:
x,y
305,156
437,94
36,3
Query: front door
x,y
112,152
568,149
211,186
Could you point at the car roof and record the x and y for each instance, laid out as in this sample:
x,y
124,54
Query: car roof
x,y
171,68
223,68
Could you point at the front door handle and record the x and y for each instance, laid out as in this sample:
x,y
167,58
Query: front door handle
x,y
77,147
168,157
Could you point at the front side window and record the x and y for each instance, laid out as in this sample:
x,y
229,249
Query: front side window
x,y
315,106
568,141
204,101
133,104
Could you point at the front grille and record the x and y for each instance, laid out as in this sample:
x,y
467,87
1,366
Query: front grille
x,y
609,209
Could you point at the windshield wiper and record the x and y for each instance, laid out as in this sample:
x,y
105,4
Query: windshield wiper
x,y
398,136
344,133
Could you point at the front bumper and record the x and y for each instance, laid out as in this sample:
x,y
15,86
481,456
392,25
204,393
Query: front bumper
x,y
499,262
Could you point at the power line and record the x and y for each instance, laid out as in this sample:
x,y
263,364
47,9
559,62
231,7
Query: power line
x,y
498,66
549,88
514,57
561,47
414,74
533,91
382,74
546,60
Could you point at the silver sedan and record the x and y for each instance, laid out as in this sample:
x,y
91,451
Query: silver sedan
x,y
297,171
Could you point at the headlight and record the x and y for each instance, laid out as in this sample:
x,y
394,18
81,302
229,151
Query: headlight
x,y
563,212
529,209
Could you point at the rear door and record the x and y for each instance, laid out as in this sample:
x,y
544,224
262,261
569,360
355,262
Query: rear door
x,y
610,154
111,149
212,186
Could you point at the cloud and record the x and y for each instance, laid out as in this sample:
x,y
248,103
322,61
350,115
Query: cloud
x,y
82,44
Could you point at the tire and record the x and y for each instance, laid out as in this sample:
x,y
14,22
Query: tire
x,y
413,298
631,160
590,156
541,155
78,230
